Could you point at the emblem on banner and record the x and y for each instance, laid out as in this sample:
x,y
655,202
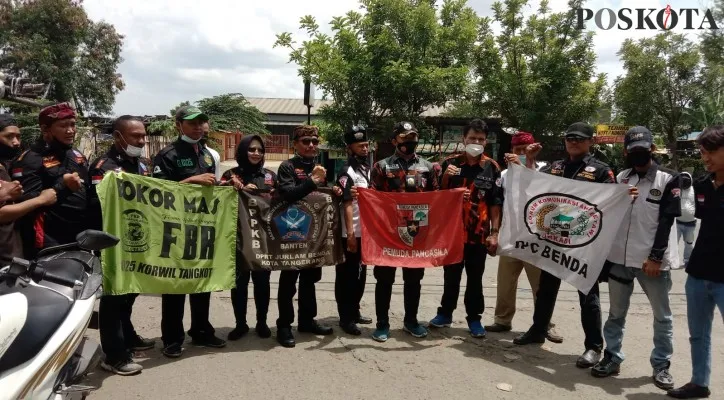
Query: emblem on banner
x,y
135,238
564,220
293,224
412,222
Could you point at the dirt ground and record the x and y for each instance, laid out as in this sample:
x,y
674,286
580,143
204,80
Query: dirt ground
x,y
446,364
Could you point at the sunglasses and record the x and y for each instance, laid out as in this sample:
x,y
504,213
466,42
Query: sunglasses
x,y
307,142
575,139
253,150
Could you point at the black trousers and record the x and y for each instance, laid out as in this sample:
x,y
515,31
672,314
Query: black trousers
x,y
385,277
115,327
474,265
545,302
349,285
172,315
240,295
307,296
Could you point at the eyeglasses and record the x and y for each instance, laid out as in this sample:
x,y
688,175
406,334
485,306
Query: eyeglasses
x,y
307,142
253,150
575,139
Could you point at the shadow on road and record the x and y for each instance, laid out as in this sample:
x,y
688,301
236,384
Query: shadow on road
x,y
540,363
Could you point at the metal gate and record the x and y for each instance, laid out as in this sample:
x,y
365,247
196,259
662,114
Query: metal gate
x,y
277,147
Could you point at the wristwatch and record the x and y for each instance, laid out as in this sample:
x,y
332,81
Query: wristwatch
x,y
494,231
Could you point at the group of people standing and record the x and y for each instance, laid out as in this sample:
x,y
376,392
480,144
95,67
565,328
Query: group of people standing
x,y
48,195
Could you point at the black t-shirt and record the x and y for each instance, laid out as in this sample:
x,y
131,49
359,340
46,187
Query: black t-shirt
x,y
483,181
706,259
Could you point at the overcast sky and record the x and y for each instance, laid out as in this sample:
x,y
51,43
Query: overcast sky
x,y
187,50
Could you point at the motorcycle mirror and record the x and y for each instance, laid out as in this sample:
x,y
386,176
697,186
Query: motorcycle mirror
x,y
95,240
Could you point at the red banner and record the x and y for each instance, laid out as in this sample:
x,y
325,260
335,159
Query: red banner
x,y
413,230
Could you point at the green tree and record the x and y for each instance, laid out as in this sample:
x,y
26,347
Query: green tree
x,y
537,74
712,50
662,80
390,62
55,41
227,112
232,112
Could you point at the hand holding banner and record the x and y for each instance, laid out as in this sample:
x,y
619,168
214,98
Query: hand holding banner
x,y
411,229
175,238
562,226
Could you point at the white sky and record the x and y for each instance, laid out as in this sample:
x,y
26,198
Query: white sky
x,y
187,50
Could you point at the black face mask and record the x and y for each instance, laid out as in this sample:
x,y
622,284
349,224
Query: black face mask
x,y
407,148
685,182
638,158
8,153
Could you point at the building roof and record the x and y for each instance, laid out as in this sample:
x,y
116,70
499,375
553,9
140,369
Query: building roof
x,y
297,107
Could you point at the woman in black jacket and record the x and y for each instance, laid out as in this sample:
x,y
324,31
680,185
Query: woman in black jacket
x,y
249,175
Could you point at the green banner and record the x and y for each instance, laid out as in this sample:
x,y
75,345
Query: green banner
x,y
175,238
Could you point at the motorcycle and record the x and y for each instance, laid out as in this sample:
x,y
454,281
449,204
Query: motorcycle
x,y
45,307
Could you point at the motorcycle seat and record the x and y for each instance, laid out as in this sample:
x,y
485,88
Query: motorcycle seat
x,y
67,268
46,312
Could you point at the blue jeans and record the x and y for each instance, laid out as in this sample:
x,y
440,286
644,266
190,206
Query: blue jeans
x,y
620,288
701,298
688,232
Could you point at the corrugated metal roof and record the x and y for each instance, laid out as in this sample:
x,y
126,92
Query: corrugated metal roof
x,y
297,107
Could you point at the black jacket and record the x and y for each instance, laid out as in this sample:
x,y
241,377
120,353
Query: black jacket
x,y
42,167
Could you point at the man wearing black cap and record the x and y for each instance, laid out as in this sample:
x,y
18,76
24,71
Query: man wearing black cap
x,y
581,166
645,249
53,163
10,244
186,161
403,171
296,178
349,285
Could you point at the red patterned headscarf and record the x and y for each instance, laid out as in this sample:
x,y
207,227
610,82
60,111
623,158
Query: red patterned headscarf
x,y
56,112
522,138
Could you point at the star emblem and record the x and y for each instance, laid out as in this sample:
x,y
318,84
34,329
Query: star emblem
x,y
413,228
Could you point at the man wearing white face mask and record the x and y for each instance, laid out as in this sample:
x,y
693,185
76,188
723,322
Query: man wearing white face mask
x,y
483,198
187,161
118,337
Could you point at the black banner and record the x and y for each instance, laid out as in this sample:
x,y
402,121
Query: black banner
x,y
277,236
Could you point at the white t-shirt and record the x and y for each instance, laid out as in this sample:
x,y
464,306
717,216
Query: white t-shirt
x,y
217,161
360,182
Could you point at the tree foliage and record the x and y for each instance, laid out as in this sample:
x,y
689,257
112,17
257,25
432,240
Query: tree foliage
x,y
663,80
55,41
227,112
538,74
389,63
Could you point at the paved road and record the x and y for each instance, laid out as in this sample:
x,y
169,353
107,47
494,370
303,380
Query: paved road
x,y
447,364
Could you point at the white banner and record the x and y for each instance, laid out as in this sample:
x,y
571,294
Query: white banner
x,y
562,226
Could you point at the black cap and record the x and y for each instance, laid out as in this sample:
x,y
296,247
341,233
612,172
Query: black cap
x,y
7,120
581,130
190,112
638,136
355,134
403,127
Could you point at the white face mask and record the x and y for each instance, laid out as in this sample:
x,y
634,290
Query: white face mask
x,y
474,149
189,140
131,151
